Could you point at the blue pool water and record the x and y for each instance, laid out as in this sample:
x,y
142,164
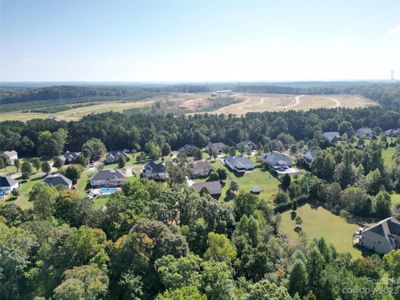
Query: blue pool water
x,y
106,191
2,195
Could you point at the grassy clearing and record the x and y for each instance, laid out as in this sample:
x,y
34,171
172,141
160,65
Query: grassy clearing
x,y
257,177
321,223
25,187
387,155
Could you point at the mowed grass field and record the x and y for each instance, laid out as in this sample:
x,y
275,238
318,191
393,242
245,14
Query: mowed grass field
x,y
185,100
283,102
257,177
320,222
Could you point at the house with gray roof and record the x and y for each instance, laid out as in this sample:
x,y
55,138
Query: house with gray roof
x,y
200,168
8,184
310,155
247,144
381,238
70,157
216,147
58,180
331,136
187,149
213,188
113,157
239,164
393,132
108,178
10,155
364,133
276,160
154,171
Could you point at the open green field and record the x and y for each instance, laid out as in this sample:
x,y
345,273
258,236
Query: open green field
x,y
182,101
320,222
387,155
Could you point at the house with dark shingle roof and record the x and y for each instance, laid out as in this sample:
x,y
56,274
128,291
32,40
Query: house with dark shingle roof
x,y
364,133
8,184
154,171
239,164
200,168
187,149
215,147
276,160
248,145
383,237
58,180
331,136
213,188
70,157
310,155
108,178
113,157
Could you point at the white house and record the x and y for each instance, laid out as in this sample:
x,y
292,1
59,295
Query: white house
x,y
154,171
8,184
11,155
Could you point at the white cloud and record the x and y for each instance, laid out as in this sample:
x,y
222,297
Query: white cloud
x,y
395,30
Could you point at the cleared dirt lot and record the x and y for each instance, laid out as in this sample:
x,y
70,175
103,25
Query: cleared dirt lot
x,y
283,102
196,103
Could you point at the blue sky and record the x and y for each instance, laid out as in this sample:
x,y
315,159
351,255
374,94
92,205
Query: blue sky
x,y
199,40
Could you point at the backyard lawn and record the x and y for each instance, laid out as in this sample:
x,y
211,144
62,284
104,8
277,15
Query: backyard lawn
x,y
321,223
24,189
257,177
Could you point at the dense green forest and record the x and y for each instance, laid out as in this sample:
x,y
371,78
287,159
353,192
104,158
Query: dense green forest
x,y
119,131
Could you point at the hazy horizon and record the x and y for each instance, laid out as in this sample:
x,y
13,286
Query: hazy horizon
x,y
199,41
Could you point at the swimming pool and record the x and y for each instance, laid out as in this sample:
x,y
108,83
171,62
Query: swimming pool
x,y
107,191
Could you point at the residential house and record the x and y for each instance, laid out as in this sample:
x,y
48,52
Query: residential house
x,y
200,168
107,178
381,238
154,171
277,160
331,136
10,155
113,157
247,145
393,132
70,157
213,188
216,147
364,133
187,149
58,180
8,184
239,165
309,156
